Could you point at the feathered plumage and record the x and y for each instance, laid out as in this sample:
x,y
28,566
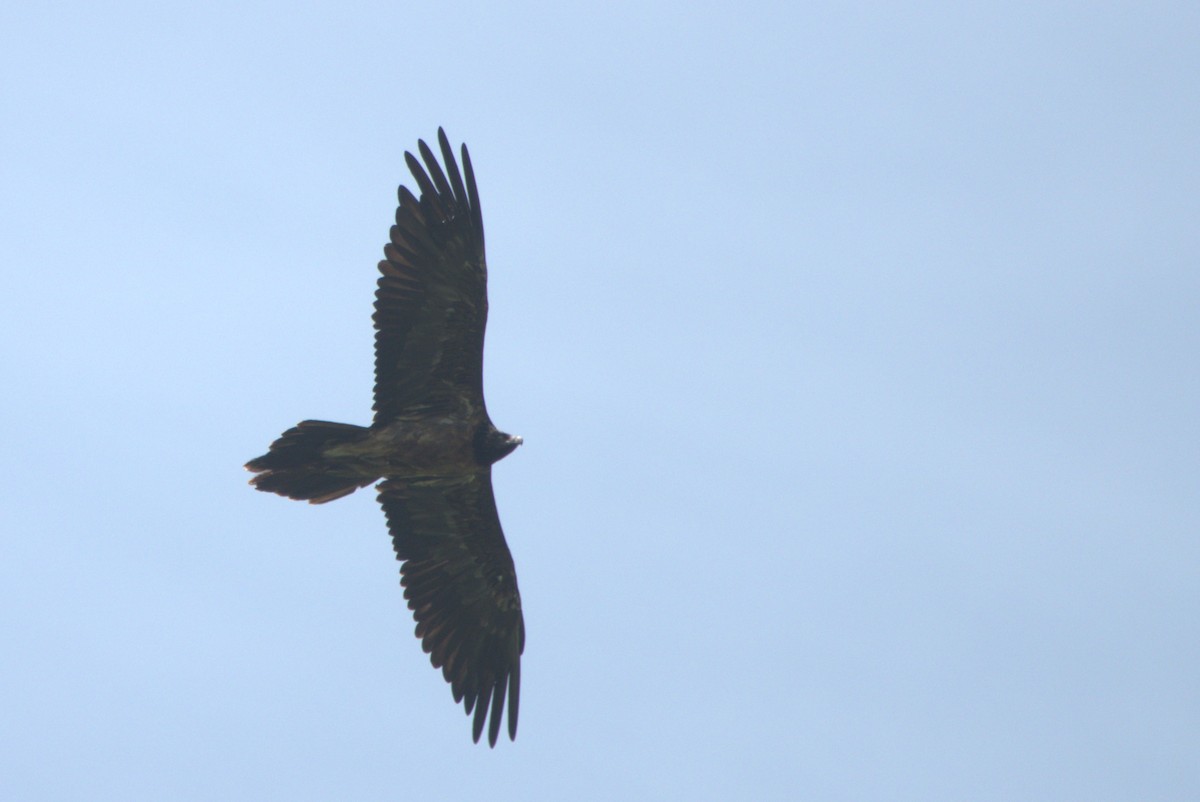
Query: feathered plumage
x,y
432,442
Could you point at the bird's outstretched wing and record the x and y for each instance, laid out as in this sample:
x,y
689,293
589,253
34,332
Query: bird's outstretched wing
x,y
460,583
431,301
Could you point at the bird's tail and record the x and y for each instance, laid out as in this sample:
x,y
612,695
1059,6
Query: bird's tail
x,y
298,465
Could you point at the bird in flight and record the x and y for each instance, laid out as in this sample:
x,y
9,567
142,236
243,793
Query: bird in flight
x,y
431,442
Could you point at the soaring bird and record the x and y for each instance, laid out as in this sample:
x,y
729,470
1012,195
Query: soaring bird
x,y
431,442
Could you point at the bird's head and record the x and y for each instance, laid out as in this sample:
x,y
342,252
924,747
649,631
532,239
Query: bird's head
x,y
492,445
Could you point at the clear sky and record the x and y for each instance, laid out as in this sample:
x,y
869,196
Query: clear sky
x,y
855,348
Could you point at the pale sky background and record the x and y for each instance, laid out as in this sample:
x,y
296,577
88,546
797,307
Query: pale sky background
x,y
855,348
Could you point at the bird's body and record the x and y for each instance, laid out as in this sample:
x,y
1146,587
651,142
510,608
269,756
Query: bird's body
x,y
405,449
432,443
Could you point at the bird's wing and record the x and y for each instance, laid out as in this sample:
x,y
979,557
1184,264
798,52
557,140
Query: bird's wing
x,y
431,301
459,579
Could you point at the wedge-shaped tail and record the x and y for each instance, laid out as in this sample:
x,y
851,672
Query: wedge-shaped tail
x,y
297,466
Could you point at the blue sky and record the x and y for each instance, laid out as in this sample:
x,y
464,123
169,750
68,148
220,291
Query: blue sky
x,y
854,347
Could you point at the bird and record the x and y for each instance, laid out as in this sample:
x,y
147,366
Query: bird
x,y
431,443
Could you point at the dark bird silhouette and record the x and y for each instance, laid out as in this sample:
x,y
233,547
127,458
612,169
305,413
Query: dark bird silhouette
x,y
432,443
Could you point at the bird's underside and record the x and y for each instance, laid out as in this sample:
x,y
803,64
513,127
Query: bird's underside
x,y
431,443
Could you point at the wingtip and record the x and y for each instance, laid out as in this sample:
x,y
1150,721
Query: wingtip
x,y
514,700
481,709
411,160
